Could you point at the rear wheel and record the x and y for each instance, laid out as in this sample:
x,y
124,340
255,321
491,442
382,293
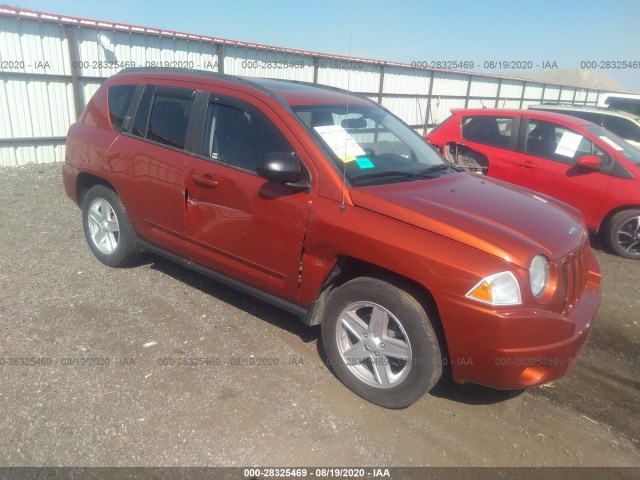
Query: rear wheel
x,y
107,227
623,234
380,342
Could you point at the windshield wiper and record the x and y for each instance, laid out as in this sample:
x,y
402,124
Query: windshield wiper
x,y
383,174
430,172
437,168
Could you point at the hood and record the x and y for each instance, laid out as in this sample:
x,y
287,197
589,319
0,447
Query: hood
x,y
493,216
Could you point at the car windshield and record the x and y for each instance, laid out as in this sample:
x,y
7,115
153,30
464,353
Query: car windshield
x,y
372,145
615,142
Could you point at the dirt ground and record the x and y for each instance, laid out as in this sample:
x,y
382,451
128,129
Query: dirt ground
x,y
131,407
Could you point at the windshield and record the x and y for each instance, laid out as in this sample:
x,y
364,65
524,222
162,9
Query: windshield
x,y
615,142
372,145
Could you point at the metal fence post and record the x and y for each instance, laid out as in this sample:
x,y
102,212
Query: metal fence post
x,y
73,66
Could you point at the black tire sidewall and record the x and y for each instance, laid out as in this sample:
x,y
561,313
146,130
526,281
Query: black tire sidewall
x,y
127,238
615,223
426,367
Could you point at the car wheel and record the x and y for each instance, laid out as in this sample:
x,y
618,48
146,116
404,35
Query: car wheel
x,y
623,234
107,227
380,342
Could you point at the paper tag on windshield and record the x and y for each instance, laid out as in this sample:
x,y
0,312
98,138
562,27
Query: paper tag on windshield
x,y
339,140
611,143
568,144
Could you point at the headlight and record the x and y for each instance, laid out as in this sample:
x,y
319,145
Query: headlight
x,y
539,275
499,289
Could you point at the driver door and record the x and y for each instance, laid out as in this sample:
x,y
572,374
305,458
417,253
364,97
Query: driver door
x,y
546,163
237,222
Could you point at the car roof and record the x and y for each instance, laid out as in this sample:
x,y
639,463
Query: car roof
x,y
291,92
586,109
537,114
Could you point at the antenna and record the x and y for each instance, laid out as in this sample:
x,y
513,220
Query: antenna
x,y
344,160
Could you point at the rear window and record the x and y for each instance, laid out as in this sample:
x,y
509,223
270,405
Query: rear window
x,y
119,100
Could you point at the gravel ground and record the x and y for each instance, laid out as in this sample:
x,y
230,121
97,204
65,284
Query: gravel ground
x,y
60,304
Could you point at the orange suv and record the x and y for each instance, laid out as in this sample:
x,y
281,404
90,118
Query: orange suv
x,y
327,205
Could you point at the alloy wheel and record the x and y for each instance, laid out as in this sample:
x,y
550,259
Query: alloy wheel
x,y
373,344
103,226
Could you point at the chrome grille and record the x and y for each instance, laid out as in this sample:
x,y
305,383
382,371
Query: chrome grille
x,y
574,277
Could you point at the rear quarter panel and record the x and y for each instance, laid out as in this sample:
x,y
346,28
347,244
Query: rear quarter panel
x,y
88,142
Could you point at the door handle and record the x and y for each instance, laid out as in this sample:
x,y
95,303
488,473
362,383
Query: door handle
x,y
525,164
204,180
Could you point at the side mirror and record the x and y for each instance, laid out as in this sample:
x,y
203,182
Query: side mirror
x,y
588,162
282,168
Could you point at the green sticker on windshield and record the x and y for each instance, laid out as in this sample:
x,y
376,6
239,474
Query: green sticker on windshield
x,y
364,163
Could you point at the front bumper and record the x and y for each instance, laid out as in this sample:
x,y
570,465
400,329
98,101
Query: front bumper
x,y
517,348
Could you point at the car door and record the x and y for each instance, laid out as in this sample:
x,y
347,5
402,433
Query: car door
x,y
153,162
546,163
237,222
494,136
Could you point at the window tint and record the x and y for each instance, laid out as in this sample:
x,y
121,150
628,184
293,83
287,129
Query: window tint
x,y
119,100
162,115
489,130
630,106
169,120
589,116
549,140
240,137
622,127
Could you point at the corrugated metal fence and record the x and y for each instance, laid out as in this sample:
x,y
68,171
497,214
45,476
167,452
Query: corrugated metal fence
x,y
50,65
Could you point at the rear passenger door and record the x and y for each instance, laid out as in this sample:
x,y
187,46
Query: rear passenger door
x,y
154,159
546,163
237,222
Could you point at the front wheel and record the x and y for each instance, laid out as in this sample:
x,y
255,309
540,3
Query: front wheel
x,y
380,342
623,234
107,227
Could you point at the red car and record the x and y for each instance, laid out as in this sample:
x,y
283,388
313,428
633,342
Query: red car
x,y
562,156
328,206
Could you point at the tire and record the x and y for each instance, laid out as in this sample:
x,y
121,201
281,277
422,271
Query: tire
x,y
107,227
623,234
368,361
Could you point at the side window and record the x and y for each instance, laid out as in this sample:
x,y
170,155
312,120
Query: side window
x,y
552,141
163,115
119,100
169,119
489,130
240,136
622,127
